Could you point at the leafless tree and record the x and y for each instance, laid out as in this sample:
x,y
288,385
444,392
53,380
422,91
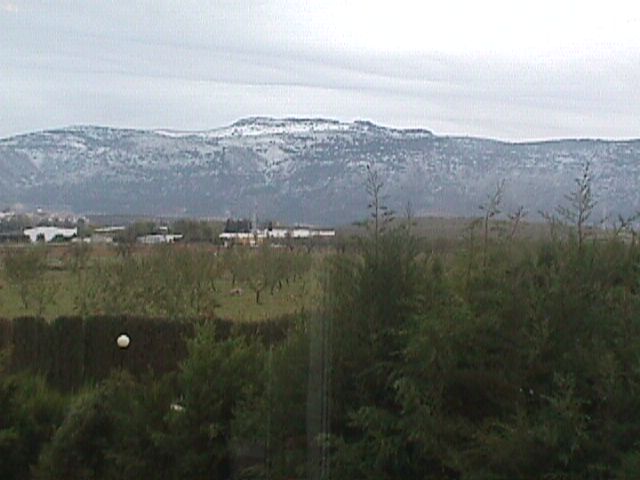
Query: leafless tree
x,y
516,218
491,208
581,204
381,215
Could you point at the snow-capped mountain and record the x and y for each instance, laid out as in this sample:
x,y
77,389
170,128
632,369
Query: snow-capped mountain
x,y
302,170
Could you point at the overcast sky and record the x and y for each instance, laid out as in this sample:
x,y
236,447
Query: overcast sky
x,y
505,69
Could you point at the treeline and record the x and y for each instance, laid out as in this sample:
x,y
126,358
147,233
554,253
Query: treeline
x,y
518,362
512,359
201,231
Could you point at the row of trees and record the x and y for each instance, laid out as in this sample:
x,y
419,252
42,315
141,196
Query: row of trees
x,y
192,230
515,359
167,281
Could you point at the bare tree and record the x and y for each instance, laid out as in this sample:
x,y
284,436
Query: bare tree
x,y
410,220
380,213
581,204
516,218
491,208
26,269
626,224
553,221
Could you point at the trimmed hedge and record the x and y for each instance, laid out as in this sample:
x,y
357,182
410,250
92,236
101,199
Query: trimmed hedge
x,y
6,333
73,351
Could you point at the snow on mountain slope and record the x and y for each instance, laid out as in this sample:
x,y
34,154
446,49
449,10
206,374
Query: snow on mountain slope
x,y
260,126
309,170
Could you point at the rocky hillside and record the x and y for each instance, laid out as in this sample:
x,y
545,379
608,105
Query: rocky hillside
x,y
302,170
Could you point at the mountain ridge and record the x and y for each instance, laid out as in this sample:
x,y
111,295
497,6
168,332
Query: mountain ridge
x,y
244,120
302,169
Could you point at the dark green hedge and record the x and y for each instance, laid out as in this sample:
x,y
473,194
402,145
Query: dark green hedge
x,y
6,333
72,351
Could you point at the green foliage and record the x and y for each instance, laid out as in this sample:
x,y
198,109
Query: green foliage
x,y
254,269
135,230
491,208
180,281
15,223
275,422
369,304
72,351
78,256
519,366
197,231
30,414
26,268
266,268
168,282
421,362
193,423
109,432
6,341
581,203
217,377
31,344
380,214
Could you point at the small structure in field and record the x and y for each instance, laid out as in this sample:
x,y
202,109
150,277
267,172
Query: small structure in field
x,y
106,234
159,238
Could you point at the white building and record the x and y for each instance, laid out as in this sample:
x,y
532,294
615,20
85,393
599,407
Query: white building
x,y
49,233
112,229
257,237
158,239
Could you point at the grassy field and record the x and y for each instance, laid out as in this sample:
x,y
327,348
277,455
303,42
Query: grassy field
x,y
236,302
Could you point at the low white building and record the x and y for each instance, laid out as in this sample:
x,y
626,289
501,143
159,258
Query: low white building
x,y
259,236
106,234
49,233
110,230
311,232
157,239
241,238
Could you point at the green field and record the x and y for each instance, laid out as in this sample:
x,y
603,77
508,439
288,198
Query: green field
x,y
60,286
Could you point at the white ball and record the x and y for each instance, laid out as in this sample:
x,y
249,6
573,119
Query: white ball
x,y
123,341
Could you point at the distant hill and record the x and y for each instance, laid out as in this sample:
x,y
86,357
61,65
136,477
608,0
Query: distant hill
x,y
302,170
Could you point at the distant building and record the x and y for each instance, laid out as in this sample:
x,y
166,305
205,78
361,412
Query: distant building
x,y
311,233
106,234
239,238
50,233
6,215
112,229
159,238
251,237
